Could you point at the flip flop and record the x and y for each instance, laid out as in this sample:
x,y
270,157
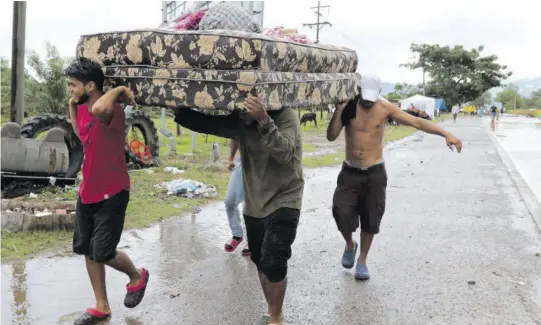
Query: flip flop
x,y
232,244
361,272
348,258
246,251
135,294
90,317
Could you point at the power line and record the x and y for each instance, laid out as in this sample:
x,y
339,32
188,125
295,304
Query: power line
x,y
318,24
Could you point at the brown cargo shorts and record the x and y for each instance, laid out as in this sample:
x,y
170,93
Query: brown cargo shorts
x,y
360,196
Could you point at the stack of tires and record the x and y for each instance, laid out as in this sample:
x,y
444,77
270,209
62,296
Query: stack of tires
x,y
139,120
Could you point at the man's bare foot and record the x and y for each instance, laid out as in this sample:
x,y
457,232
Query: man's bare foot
x,y
103,308
135,281
267,319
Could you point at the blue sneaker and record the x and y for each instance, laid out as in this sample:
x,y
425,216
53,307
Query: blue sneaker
x,y
348,259
361,272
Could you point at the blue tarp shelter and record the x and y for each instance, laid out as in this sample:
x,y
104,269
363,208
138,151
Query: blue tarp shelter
x,y
440,104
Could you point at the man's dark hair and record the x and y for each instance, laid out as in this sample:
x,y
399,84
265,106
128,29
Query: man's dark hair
x,y
86,70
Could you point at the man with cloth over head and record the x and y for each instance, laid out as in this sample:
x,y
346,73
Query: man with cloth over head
x,y
361,186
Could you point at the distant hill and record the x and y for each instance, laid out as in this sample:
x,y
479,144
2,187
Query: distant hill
x,y
525,86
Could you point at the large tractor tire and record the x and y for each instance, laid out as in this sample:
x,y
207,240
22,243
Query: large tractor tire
x,y
147,154
42,123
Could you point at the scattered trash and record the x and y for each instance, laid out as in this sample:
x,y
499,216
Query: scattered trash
x,y
189,189
44,213
32,195
177,206
150,171
538,254
52,180
471,282
496,273
174,296
60,212
70,188
173,170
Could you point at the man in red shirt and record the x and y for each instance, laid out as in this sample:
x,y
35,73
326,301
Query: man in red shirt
x,y
99,121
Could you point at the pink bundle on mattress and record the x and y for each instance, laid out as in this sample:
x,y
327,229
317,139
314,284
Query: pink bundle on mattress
x,y
190,21
287,34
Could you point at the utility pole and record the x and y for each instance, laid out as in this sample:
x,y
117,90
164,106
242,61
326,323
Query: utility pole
x,y
17,62
318,24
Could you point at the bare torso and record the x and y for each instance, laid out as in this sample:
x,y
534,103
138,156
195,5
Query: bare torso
x,y
364,136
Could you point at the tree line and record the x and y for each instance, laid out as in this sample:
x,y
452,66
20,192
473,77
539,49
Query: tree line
x,y
459,75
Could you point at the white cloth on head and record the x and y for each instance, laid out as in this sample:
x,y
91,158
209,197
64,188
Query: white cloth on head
x,y
370,87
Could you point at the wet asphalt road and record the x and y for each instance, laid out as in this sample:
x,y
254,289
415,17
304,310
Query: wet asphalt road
x,y
450,219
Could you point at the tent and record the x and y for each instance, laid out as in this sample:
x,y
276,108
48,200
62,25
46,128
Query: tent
x,y
440,105
422,103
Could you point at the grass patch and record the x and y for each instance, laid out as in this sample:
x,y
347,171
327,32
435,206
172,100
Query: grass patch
x,y
147,204
20,245
393,133
315,161
308,147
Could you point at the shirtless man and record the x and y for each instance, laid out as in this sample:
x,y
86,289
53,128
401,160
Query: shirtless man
x,y
361,186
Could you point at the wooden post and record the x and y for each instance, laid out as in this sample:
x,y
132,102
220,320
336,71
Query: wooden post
x,y
194,141
17,62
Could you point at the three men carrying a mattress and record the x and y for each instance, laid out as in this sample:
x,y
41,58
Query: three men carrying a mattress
x,y
271,156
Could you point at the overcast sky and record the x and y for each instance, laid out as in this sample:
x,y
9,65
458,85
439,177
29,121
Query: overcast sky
x,y
380,31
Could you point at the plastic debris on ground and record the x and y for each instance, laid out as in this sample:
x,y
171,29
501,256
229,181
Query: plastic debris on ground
x,y
173,170
189,189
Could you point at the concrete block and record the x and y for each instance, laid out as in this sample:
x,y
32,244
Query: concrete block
x,y
12,221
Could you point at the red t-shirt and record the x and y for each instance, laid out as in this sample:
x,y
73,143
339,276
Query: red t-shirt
x,y
104,167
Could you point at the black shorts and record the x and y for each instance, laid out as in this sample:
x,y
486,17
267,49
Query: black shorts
x,y
360,196
270,238
98,227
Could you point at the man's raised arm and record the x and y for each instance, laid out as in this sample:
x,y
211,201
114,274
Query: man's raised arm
x,y
280,142
335,125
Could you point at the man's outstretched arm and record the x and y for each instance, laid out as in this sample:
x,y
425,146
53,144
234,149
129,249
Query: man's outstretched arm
x,y
421,124
225,126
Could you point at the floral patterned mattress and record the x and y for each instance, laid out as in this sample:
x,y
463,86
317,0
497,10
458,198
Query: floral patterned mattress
x,y
215,50
227,89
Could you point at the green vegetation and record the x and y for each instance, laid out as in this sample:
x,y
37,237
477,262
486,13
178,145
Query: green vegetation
x,y
455,73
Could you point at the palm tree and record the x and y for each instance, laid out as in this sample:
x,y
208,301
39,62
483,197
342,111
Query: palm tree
x,y
5,101
49,94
